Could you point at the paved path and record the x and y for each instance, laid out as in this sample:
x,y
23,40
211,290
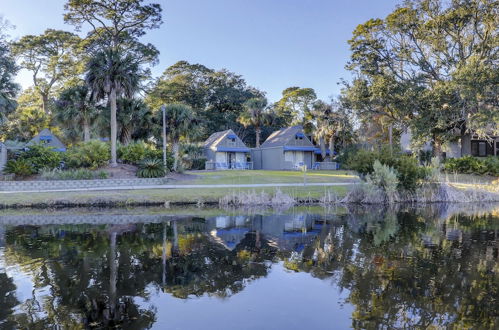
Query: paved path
x,y
187,186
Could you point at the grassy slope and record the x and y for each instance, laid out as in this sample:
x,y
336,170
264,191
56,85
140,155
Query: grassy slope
x,y
123,197
257,176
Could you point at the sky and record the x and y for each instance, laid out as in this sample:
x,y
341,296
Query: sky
x,y
273,44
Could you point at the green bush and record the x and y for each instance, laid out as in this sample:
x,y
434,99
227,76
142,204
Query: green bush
x,y
77,174
192,156
151,168
362,160
198,164
409,173
134,153
346,154
473,165
41,157
19,167
92,154
384,177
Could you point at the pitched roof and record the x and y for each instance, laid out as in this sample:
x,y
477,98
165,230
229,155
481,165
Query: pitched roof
x,y
216,138
48,139
282,137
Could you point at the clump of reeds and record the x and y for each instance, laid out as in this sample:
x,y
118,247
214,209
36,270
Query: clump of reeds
x,y
248,198
427,193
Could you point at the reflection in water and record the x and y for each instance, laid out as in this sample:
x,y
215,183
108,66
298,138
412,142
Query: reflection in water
x,y
389,268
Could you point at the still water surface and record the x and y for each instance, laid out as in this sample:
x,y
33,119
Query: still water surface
x,y
302,268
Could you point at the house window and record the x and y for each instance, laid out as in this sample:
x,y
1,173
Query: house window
x,y
497,148
479,148
45,139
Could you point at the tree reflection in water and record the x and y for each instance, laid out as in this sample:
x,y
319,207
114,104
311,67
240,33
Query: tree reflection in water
x,y
401,268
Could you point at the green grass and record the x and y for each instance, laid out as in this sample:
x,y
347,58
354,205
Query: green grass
x,y
124,197
258,176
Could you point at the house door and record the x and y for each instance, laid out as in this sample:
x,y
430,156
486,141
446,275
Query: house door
x,y
231,159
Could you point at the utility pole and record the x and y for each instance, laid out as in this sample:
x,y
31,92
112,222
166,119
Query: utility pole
x,y
163,110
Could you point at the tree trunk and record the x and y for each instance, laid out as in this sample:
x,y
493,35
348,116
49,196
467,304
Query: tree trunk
x,y
437,147
175,155
127,135
258,132
114,130
86,130
331,148
322,145
45,103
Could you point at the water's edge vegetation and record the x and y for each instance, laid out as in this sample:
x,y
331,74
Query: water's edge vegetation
x,y
360,194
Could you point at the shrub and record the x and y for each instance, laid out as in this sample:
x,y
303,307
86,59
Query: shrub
x,y
151,168
198,163
409,173
41,157
362,161
384,177
346,154
134,153
19,167
78,174
425,157
473,165
91,154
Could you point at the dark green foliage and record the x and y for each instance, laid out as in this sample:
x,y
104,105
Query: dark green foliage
x,y
92,154
40,157
409,173
362,160
19,167
425,157
151,168
135,152
473,165
192,156
345,155
197,164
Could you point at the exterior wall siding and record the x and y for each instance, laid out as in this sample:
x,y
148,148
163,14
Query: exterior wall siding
x,y
273,159
3,156
256,158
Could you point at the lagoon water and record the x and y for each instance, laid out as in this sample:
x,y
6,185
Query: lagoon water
x,y
300,268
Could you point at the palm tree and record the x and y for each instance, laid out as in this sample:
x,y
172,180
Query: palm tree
x,y
110,74
75,109
329,123
180,123
134,117
255,115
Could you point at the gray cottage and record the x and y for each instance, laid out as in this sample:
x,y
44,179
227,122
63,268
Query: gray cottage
x,y
3,156
46,138
285,149
225,150
466,145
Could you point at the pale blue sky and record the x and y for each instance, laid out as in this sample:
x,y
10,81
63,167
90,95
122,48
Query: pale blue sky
x,y
273,44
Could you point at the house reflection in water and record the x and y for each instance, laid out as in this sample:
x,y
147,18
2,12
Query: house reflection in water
x,y
285,232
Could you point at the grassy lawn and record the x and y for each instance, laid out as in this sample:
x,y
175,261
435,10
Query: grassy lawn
x,y
258,176
124,197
